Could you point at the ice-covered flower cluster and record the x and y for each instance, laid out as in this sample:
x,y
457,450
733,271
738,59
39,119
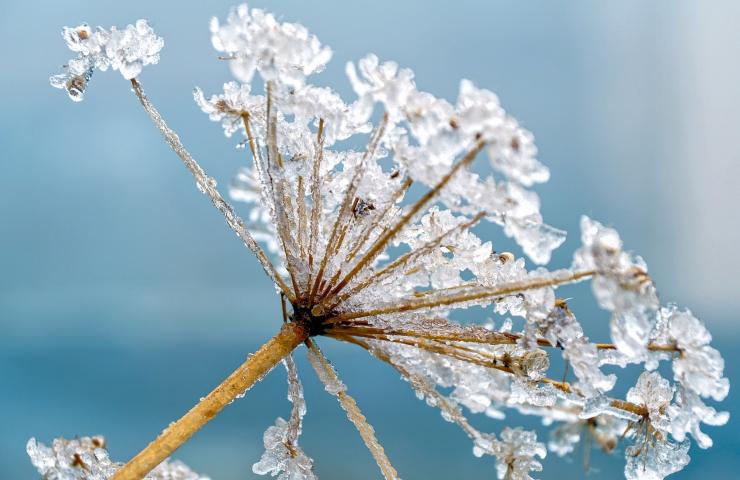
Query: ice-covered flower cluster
x,y
368,210
127,50
86,458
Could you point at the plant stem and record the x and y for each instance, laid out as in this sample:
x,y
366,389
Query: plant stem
x,y
251,371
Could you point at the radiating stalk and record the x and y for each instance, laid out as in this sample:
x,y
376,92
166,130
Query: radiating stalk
x,y
208,187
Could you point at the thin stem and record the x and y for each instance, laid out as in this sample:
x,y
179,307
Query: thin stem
x,y
251,371
334,385
208,187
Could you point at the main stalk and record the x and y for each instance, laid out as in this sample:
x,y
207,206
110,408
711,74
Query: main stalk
x,y
251,371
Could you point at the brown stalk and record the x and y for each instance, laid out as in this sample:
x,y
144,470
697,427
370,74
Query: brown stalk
x,y
251,371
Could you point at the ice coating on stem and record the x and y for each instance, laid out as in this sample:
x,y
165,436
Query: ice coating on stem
x,y
86,458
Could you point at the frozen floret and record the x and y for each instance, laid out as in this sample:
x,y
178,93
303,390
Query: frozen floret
x,y
254,40
127,50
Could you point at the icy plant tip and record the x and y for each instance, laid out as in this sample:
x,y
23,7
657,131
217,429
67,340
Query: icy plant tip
x,y
359,256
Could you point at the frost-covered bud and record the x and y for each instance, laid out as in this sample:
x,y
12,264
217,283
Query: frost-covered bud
x,y
127,50
256,41
86,458
132,48
78,459
653,455
84,40
653,392
384,83
281,458
621,285
621,282
229,107
699,367
654,460
517,454
310,104
511,148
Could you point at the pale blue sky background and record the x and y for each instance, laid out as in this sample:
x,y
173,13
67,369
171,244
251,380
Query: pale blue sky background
x,y
124,298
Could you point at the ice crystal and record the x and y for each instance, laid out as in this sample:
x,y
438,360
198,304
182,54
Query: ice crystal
x,y
86,458
359,256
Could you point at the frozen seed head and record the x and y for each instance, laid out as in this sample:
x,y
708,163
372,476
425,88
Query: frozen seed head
x,y
127,50
378,246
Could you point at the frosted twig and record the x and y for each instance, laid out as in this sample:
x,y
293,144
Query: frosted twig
x,y
334,386
208,186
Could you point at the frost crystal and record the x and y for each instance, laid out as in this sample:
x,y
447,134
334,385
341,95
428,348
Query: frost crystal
x,y
377,246
127,51
86,458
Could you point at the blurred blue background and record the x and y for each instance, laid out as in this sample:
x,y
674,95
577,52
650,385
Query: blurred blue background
x,y
124,298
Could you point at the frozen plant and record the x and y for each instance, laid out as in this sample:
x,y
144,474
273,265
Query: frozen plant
x,y
356,258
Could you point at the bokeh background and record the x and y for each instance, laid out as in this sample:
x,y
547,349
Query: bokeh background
x,y
124,298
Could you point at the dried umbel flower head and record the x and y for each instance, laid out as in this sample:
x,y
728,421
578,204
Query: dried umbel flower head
x,y
356,255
